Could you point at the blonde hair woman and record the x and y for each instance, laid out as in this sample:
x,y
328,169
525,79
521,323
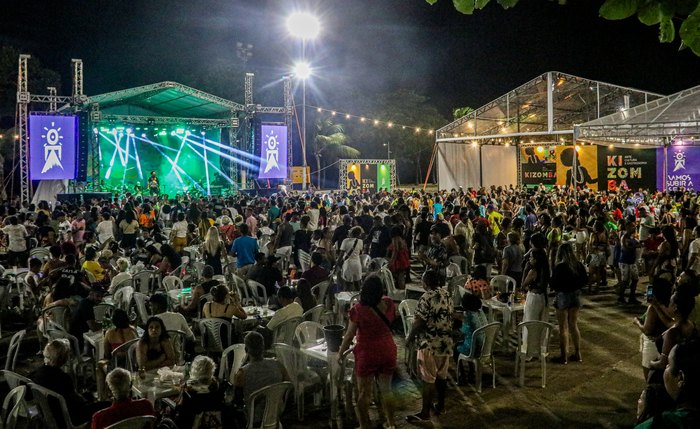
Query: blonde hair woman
x,y
214,249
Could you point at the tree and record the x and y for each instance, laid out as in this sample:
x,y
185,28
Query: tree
x,y
330,143
407,110
649,12
461,111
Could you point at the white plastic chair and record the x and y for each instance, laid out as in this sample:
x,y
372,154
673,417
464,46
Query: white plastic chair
x,y
314,314
273,399
140,300
172,283
137,422
122,297
304,260
320,291
231,361
178,339
102,310
40,253
484,337
284,332
453,270
41,395
536,345
308,334
242,288
364,261
13,407
13,349
407,311
257,292
388,281
13,379
462,262
145,281
300,375
55,315
213,340
120,355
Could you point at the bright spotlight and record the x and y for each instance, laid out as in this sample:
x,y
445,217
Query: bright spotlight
x,y
303,25
128,130
302,70
143,135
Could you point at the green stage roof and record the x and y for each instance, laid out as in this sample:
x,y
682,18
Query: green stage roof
x,y
166,99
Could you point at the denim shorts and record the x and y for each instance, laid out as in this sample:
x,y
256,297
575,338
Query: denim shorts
x,y
565,300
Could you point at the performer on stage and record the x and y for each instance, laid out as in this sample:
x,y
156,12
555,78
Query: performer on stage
x,y
153,184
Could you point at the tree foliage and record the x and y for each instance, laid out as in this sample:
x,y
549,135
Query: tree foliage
x,y
329,144
663,13
461,111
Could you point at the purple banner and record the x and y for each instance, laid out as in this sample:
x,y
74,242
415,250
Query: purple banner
x,y
683,167
52,147
273,152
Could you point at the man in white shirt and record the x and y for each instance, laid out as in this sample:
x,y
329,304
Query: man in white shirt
x,y
646,222
289,308
314,213
17,242
173,321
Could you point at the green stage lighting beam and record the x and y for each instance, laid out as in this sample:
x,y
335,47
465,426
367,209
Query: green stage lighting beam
x,y
206,167
234,150
177,169
211,165
138,161
227,156
177,157
126,143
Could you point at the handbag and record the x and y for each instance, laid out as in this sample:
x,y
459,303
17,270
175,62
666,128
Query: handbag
x,y
346,255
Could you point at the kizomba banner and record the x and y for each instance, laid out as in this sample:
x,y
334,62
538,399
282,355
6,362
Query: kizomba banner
x,y
626,169
538,165
586,165
53,142
368,177
273,152
682,168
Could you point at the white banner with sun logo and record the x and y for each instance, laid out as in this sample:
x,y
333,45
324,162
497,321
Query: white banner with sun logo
x,y
52,147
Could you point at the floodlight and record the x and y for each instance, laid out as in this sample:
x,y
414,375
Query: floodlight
x,y
302,70
303,25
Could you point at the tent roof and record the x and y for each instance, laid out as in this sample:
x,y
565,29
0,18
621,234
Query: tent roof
x,y
166,99
675,116
529,112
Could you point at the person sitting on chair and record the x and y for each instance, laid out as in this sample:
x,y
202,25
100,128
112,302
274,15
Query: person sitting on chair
x,y
123,407
257,373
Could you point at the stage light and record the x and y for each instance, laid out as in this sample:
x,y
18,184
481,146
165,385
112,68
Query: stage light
x,y
128,130
347,116
362,119
333,113
187,133
203,133
376,122
143,135
578,148
180,130
162,133
318,109
95,130
303,25
302,70
138,128
540,149
172,133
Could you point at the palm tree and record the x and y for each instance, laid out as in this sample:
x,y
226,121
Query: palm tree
x,y
330,142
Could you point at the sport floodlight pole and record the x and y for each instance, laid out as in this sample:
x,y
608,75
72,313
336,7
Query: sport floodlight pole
x,y
305,26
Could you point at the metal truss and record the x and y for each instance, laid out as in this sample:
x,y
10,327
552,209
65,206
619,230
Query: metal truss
x,y
288,122
53,105
167,120
249,88
130,93
343,176
78,94
22,122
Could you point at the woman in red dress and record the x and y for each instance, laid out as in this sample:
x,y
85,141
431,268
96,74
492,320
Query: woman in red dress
x,y
375,350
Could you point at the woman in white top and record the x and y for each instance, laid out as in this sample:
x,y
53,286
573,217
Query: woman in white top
x,y
105,229
178,234
350,251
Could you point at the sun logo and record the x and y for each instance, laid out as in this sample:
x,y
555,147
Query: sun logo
x,y
271,152
53,149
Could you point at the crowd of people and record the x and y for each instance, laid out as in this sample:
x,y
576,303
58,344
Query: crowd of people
x,y
554,243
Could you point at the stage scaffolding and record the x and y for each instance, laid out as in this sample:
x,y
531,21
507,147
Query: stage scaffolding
x,y
163,103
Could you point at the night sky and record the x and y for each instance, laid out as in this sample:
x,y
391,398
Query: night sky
x,y
366,46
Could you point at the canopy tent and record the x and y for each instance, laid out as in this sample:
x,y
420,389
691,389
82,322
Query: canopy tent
x,y
542,111
655,123
163,100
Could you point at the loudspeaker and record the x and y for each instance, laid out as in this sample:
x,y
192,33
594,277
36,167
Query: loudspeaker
x,y
84,137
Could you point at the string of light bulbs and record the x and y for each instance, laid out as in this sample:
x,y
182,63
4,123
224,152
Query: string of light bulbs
x,y
375,122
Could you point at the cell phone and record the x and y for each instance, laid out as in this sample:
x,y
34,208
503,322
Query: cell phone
x,y
650,292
